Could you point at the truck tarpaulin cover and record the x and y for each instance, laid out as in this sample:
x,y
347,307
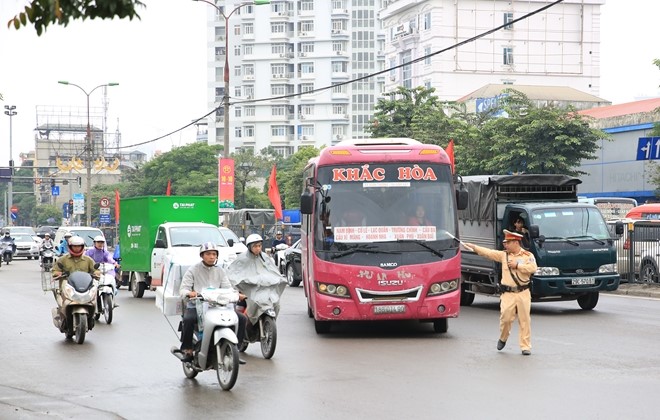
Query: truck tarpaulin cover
x,y
482,190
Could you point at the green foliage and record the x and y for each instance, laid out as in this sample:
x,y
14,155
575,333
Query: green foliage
x,y
41,13
531,139
248,169
46,215
290,175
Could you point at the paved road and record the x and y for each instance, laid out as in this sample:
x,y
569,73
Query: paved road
x,y
601,364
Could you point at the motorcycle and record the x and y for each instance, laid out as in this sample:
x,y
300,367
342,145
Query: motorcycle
x,y
7,249
214,344
279,260
76,315
47,257
105,300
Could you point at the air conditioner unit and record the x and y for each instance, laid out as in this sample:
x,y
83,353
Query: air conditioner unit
x,y
304,137
282,55
340,52
339,136
249,97
302,54
335,31
283,14
346,116
302,116
303,34
249,77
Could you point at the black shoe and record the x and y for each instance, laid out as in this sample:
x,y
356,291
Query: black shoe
x,y
179,354
241,362
500,344
526,352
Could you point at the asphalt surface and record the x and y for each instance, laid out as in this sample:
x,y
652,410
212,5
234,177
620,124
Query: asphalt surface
x,y
649,290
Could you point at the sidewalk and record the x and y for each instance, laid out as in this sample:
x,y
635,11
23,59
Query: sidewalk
x,y
651,290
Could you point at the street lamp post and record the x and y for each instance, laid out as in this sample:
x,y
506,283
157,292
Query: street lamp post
x,y
88,147
10,110
225,98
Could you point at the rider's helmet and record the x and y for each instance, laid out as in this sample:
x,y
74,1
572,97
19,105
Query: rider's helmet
x,y
7,234
47,235
279,232
253,238
208,246
67,235
79,244
99,238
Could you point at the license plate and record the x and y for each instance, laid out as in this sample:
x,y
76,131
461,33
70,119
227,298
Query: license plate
x,y
583,280
389,309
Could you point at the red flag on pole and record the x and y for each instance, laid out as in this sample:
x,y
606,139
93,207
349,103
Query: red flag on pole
x,y
169,187
450,153
117,206
274,194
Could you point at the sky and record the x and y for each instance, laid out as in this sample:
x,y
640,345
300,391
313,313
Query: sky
x,y
160,63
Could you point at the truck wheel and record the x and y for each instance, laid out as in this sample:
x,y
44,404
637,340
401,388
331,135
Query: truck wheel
x,y
648,273
588,301
137,287
466,297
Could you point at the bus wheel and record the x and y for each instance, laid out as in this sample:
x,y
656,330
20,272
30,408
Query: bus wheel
x,y
588,301
322,327
440,325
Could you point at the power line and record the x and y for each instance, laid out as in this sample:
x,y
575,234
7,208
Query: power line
x,y
359,79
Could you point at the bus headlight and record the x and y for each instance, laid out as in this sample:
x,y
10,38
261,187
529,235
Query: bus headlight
x,y
547,271
336,290
443,287
607,268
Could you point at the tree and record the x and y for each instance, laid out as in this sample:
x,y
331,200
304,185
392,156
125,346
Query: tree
x,y
46,215
248,169
290,175
42,13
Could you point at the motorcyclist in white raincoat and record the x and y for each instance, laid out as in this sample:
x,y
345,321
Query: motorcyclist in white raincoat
x,y
254,275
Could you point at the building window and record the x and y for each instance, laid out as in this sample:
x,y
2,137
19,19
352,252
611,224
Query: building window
x,y
306,47
307,26
406,71
249,91
278,130
427,21
238,112
249,130
427,55
306,87
507,53
248,49
306,5
278,110
237,71
508,17
238,132
249,111
278,28
307,130
307,109
248,29
307,68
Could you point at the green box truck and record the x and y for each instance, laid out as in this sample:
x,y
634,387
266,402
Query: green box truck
x,y
152,228
574,250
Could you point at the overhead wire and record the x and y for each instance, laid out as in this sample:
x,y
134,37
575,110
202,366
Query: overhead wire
x,y
359,79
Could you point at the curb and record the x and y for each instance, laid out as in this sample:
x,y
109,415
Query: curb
x,y
638,290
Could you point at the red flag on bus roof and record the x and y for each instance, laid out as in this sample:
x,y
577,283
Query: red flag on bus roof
x,y
274,194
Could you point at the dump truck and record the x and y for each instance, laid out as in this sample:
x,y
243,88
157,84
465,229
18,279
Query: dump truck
x,y
573,248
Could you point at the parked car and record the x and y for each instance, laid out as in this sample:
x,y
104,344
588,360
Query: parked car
x,y
27,246
645,248
226,233
292,264
85,232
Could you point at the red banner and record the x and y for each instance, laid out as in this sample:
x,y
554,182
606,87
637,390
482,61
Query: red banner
x,y
274,194
226,183
117,206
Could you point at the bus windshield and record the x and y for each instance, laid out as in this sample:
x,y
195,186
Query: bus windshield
x,y
577,223
385,207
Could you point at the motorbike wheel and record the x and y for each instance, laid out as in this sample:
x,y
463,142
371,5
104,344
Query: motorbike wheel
x,y
269,339
188,370
227,367
243,346
80,324
108,306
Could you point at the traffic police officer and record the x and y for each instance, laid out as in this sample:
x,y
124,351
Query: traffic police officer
x,y
517,267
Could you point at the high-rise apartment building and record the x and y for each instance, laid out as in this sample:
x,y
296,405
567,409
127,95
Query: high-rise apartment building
x,y
287,62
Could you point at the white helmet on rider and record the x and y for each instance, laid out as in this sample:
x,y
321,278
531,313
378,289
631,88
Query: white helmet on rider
x,y
76,241
99,238
47,235
208,246
253,238
67,235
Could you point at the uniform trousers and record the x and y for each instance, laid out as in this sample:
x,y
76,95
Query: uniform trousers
x,y
512,304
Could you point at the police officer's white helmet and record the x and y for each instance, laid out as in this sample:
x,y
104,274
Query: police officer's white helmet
x,y
208,246
253,238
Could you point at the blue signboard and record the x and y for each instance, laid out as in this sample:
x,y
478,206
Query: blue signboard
x,y
65,210
648,148
55,190
104,218
488,104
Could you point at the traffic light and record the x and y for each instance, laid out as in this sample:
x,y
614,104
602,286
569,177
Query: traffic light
x,y
52,182
79,179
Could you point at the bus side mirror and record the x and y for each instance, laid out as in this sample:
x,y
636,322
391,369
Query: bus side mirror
x,y
461,199
306,203
618,228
